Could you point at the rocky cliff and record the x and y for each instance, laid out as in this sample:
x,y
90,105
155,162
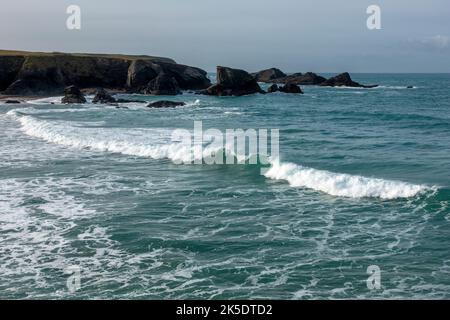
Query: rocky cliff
x,y
28,73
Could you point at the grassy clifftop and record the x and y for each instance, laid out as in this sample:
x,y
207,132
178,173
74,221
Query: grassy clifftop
x,y
91,55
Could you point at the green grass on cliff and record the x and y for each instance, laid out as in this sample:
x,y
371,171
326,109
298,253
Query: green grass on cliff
x,y
98,55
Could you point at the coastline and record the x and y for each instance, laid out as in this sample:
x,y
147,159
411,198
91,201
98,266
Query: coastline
x,y
25,98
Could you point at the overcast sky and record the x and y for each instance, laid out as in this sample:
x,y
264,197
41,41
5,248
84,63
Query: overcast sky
x,y
294,35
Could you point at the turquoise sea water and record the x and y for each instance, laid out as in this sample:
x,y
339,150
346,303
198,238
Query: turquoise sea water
x,y
364,179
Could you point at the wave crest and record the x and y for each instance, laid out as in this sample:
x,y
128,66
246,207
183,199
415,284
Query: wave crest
x,y
340,184
157,144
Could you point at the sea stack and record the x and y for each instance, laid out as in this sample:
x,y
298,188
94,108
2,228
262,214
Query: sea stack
x,y
233,82
344,80
268,75
103,97
309,78
291,88
72,94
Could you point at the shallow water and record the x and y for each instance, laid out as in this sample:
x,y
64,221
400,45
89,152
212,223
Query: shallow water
x,y
363,180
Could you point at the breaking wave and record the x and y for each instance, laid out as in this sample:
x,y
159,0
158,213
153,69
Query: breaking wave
x,y
158,144
340,184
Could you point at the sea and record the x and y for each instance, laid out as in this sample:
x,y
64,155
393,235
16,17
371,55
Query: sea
x,y
95,204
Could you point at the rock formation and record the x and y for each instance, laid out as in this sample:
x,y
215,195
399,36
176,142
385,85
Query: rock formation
x,y
9,68
308,78
72,94
233,82
103,97
291,88
163,84
268,75
28,73
344,80
275,75
165,104
273,88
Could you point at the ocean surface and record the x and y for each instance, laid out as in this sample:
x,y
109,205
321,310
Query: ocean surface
x,y
363,180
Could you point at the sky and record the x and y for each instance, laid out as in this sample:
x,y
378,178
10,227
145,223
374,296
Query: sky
x,y
293,35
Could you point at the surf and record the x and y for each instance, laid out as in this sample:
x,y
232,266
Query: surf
x,y
341,184
156,144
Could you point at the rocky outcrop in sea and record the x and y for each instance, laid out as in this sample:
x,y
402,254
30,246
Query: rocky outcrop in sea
x,y
233,82
344,80
72,94
269,75
274,75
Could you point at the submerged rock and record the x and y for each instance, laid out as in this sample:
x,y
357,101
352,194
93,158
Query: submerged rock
x,y
344,80
291,88
165,104
233,82
72,94
102,96
268,75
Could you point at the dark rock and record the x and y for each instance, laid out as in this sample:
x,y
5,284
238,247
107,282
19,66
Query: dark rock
x,y
72,94
188,78
273,88
344,80
140,73
31,73
165,104
268,75
308,78
12,102
163,84
9,68
103,97
20,87
129,101
291,88
410,87
233,82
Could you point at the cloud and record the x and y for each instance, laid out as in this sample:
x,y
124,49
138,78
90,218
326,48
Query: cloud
x,y
437,42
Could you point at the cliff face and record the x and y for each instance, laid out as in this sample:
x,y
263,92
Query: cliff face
x,y
9,68
48,73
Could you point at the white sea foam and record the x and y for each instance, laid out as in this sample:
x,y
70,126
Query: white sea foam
x,y
157,144
152,143
378,87
48,100
343,185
